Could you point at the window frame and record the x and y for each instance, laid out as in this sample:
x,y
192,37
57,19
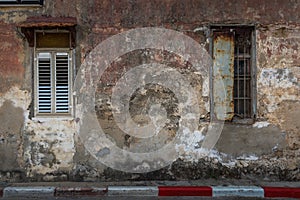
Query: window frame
x,y
21,3
219,27
52,51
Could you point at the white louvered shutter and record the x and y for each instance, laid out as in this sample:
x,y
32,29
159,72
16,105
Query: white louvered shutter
x,y
62,99
44,85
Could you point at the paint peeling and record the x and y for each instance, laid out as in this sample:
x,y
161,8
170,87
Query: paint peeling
x,y
223,56
278,78
20,98
54,138
189,147
261,124
45,146
284,84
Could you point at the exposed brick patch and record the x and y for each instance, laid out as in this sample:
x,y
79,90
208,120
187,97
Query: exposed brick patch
x,y
11,68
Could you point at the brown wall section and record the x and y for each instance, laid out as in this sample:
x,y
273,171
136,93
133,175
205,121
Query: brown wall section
x,y
11,57
140,13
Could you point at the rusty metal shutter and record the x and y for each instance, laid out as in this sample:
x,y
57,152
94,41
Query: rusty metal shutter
x,y
223,75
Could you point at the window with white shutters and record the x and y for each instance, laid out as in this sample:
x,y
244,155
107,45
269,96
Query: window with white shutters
x,y
53,82
53,73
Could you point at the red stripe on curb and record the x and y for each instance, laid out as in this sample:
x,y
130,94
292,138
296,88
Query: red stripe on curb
x,y
184,191
65,191
282,192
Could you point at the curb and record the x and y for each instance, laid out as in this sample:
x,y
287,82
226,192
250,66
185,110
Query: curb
x,y
281,192
238,191
77,191
28,191
204,191
132,191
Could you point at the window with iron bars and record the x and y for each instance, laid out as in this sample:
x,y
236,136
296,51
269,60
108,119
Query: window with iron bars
x,y
242,93
233,73
21,2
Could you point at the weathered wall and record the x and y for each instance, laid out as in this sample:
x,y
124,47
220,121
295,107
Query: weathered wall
x,y
278,69
50,149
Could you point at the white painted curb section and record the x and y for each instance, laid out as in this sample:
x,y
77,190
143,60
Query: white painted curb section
x,y
132,191
242,191
28,192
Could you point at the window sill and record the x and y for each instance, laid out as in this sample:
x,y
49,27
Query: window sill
x,y
44,118
246,121
21,6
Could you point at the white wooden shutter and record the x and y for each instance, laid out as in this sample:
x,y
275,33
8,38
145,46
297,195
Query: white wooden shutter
x,y
44,92
62,88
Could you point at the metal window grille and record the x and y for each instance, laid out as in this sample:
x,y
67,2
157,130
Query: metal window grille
x,y
242,93
53,82
233,52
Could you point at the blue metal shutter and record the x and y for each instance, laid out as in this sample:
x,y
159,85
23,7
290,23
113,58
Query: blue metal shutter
x,y
223,75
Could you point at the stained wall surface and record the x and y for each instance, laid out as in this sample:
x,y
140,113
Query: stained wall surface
x,y
51,150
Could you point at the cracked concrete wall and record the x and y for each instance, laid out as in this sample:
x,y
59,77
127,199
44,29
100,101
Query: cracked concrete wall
x,y
50,149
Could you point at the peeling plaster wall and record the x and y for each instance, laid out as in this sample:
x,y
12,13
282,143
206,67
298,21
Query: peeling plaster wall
x,y
48,146
50,149
278,81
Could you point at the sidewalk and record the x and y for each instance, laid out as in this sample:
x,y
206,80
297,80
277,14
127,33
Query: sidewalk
x,y
152,188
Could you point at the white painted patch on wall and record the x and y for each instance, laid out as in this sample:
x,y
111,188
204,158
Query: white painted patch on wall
x,y
279,78
190,149
277,85
261,124
205,87
248,157
19,98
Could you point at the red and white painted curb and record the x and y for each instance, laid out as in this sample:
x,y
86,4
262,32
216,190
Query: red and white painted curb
x,y
204,191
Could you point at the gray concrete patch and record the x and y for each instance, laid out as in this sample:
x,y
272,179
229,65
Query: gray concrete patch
x,y
239,140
